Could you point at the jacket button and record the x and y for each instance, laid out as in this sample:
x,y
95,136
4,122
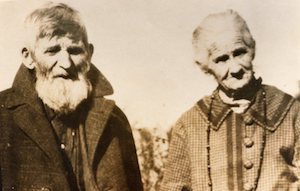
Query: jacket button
x,y
45,189
62,146
248,142
248,186
248,164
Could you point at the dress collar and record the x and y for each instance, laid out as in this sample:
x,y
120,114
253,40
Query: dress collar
x,y
278,104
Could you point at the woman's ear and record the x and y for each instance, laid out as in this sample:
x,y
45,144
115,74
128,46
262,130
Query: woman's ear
x,y
27,58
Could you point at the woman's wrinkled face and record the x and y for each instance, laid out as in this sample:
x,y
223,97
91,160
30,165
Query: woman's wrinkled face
x,y
230,61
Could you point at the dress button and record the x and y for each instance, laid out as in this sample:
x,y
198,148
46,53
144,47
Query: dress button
x,y
248,164
45,189
248,142
248,120
248,186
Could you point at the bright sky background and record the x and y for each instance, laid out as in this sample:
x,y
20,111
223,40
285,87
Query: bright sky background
x,y
144,48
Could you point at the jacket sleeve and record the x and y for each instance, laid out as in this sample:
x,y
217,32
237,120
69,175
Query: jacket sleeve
x,y
128,150
177,172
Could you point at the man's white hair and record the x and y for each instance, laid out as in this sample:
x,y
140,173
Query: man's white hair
x,y
50,20
214,28
61,95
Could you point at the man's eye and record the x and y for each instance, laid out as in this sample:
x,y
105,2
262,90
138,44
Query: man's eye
x,y
223,58
53,50
239,52
75,51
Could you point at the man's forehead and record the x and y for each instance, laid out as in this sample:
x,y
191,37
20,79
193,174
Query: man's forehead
x,y
67,39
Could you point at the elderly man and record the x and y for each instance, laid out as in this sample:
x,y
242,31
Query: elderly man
x,y
245,136
58,132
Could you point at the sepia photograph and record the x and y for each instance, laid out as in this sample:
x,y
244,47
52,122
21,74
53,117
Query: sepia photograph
x,y
158,95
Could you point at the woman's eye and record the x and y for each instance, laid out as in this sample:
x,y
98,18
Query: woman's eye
x,y
239,52
222,58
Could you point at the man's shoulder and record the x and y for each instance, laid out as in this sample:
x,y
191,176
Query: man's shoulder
x,y
118,115
5,116
102,104
117,119
5,94
109,108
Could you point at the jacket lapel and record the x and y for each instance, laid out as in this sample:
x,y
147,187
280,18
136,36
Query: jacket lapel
x,y
95,123
38,128
99,111
30,116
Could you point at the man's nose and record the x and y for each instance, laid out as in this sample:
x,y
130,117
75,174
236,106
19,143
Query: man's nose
x,y
65,60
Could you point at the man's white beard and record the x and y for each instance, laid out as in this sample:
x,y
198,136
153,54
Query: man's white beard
x,y
63,95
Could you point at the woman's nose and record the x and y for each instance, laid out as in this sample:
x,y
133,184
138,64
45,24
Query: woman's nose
x,y
236,70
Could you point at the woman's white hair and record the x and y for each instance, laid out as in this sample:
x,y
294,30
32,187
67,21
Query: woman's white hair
x,y
213,28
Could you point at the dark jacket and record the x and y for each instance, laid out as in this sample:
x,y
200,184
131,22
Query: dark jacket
x,y
31,158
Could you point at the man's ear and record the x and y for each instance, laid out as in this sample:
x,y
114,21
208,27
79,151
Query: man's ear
x,y
91,50
27,58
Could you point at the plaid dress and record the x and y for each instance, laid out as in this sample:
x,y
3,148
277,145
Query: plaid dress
x,y
235,146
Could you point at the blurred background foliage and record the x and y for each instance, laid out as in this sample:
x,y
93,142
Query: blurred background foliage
x,y
152,150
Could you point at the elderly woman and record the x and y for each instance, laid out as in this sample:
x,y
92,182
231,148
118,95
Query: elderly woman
x,y
245,135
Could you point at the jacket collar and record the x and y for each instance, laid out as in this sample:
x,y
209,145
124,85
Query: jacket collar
x,y
24,88
277,106
29,113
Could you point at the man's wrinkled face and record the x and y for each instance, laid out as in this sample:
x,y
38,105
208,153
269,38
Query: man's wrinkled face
x,y
61,57
61,65
231,63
